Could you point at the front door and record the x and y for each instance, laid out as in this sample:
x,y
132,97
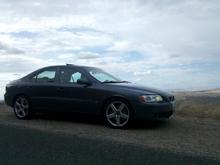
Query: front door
x,y
74,96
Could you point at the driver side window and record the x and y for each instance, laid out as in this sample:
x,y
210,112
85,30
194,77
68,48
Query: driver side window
x,y
70,76
75,77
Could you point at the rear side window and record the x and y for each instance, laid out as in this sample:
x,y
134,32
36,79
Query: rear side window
x,y
45,76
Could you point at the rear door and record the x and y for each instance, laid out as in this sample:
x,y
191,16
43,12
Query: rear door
x,y
43,89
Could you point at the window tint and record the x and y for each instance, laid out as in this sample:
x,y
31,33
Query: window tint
x,y
70,76
45,76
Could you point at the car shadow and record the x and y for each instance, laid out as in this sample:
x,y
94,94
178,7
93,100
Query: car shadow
x,y
98,120
71,117
150,124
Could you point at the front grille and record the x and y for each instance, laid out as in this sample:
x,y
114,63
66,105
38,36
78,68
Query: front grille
x,y
171,98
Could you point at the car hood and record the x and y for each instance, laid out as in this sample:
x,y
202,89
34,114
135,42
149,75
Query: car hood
x,y
138,89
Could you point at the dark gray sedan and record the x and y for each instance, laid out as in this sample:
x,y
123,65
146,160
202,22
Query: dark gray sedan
x,y
72,88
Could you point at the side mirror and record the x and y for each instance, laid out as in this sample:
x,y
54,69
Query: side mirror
x,y
84,82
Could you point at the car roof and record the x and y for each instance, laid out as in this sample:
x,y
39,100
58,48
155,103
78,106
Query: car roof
x,y
73,66
81,66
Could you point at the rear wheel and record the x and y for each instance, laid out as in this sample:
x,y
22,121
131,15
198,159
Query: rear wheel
x,y
22,108
118,113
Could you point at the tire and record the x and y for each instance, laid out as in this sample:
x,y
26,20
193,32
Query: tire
x,y
118,113
22,108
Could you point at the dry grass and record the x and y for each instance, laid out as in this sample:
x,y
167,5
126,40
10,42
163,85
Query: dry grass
x,y
203,104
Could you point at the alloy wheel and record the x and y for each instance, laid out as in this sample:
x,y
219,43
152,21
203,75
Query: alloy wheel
x,y
117,114
21,107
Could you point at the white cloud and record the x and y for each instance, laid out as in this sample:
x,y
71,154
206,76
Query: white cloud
x,y
167,34
143,73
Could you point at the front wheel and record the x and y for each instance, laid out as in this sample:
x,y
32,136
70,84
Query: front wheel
x,y
22,108
118,113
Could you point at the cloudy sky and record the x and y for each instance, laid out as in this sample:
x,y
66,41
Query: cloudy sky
x,y
167,44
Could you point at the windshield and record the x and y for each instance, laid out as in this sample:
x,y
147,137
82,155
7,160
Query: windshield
x,y
102,76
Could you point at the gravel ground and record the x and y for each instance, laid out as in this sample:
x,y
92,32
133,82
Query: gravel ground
x,y
190,136
36,147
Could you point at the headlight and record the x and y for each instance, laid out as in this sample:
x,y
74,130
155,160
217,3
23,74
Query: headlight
x,y
150,98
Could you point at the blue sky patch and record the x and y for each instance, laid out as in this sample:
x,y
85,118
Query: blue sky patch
x,y
133,56
78,29
24,34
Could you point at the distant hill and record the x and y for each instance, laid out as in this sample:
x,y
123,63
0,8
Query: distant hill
x,y
210,91
214,90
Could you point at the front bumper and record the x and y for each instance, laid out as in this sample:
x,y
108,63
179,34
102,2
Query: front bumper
x,y
8,99
154,110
